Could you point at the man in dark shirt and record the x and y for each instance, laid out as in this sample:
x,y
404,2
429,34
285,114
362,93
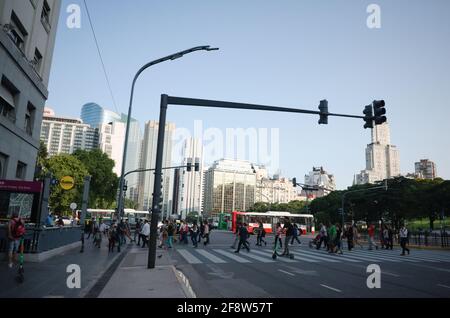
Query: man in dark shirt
x,y
243,236
289,229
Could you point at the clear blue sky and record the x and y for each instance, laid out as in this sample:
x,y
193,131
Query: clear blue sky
x,y
289,53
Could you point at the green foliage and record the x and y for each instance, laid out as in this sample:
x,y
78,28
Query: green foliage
x,y
129,204
191,217
293,207
42,158
104,181
60,166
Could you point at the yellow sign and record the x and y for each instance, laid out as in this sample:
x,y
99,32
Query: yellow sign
x,y
67,183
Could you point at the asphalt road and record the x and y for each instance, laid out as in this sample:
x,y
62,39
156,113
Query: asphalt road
x,y
216,271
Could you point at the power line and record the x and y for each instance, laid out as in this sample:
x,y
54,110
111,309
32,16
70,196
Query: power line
x,y
101,58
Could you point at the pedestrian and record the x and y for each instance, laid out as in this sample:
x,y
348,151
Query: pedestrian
x,y
323,235
404,239
122,232
349,234
113,237
91,227
145,232
338,239
194,234
49,220
128,231
278,234
137,231
261,234
385,237
243,236
185,233
170,234
16,229
202,231
236,235
331,238
356,236
288,230
390,238
295,234
206,233
371,233
60,221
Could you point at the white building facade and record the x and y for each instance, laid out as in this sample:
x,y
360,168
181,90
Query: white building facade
x,y
274,190
320,179
382,158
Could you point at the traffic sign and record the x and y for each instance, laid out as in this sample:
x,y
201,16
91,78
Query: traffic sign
x,y
73,206
67,182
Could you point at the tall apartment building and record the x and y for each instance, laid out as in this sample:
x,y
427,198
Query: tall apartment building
x,y
230,185
27,40
191,183
382,158
66,135
425,169
148,161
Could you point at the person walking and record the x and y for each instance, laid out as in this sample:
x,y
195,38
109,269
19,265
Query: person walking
x,y
113,237
128,231
243,236
170,234
356,236
390,238
16,229
288,230
404,239
349,234
295,234
145,232
371,233
385,234
194,234
206,233
137,231
338,240
278,234
323,236
185,233
262,234
236,238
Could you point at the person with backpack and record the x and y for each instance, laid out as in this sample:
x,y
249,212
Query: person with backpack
x,y
243,236
16,229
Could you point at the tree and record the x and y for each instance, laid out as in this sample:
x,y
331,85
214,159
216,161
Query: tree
x,y
39,172
104,182
192,217
128,204
60,166
259,207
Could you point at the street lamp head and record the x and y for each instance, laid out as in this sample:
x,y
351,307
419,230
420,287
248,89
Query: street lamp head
x,y
211,48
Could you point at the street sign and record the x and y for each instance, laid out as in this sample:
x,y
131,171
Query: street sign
x,y
67,182
73,206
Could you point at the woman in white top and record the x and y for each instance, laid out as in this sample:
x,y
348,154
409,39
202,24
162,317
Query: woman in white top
x,y
404,239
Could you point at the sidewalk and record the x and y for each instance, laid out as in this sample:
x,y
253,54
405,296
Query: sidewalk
x,y
48,278
132,278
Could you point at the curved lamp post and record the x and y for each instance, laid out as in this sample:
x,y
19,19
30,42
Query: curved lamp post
x,y
167,58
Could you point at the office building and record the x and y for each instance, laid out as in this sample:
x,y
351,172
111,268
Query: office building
x,y
274,190
425,169
318,178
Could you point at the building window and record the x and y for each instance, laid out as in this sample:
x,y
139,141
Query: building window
x,y
16,32
29,119
37,60
21,170
8,94
3,165
45,16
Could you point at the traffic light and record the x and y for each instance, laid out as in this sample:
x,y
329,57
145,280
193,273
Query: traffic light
x,y
368,118
294,182
197,165
379,112
323,107
189,165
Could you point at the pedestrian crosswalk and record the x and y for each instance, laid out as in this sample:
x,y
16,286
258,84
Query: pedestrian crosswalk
x,y
307,255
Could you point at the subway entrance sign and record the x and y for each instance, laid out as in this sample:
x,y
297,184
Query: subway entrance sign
x,y
67,183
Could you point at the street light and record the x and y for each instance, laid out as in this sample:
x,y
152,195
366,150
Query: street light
x,y
167,58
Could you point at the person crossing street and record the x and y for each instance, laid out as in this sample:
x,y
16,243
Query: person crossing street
x,y
243,236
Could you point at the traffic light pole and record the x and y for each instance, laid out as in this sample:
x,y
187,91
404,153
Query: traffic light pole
x,y
183,101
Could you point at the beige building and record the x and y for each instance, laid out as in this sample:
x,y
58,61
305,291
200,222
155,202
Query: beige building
x,y
27,38
274,190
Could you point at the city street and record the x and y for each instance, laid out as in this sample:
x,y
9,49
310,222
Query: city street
x,y
216,271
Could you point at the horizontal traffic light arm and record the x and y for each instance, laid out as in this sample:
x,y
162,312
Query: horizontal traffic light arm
x,y
183,101
152,169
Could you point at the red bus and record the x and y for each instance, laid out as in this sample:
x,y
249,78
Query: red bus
x,y
269,219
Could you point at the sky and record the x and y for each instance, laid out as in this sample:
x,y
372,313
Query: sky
x,y
288,53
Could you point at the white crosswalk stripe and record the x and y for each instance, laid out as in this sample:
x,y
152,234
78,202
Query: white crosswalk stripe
x,y
191,259
213,258
302,254
232,256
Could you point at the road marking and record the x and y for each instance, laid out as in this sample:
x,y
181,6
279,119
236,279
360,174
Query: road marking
x,y
232,256
261,259
211,257
280,270
314,256
191,259
280,258
433,268
334,289
445,286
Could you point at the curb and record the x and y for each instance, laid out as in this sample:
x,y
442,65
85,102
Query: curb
x,y
184,282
